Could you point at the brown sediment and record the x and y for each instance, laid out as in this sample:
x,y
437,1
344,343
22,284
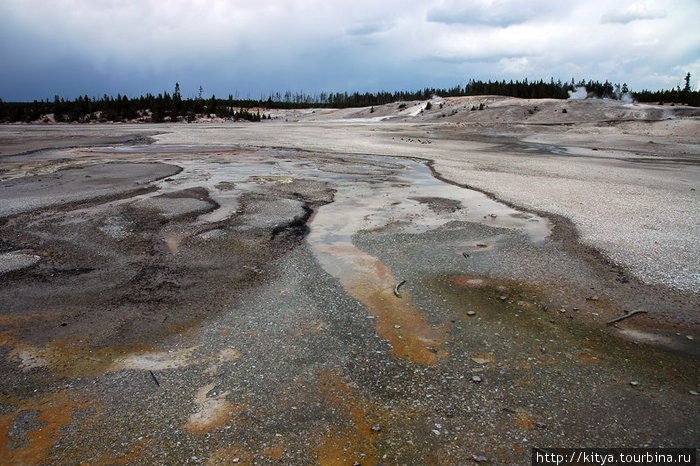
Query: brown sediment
x,y
344,443
524,419
399,321
233,454
55,412
211,412
274,452
590,357
71,358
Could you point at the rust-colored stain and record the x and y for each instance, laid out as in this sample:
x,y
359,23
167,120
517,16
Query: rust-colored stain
x,y
524,419
468,281
230,455
590,357
274,452
524,366
15,320
71,358
343,444
212,412
399,321
55,412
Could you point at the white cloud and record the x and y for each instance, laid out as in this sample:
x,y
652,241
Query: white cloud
x,y
634,12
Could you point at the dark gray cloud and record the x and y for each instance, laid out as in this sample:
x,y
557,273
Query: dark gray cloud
x,y
251,48
500,13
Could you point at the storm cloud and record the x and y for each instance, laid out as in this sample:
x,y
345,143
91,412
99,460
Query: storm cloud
x,y
252,48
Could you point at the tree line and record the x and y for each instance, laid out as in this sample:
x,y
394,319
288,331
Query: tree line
x,y
677,95
173,108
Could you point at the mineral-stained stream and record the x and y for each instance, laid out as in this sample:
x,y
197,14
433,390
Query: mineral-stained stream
x,y
371,194
245,306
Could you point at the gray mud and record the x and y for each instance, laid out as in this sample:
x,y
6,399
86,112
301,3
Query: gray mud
x,y
237,306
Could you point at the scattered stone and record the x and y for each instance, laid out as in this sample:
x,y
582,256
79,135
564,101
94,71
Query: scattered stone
x,y
436,432
471,313
562,310
376,428
476,379
397,326
480,459
356,463
634,383
576,309
689,337
503,298
593,298
693,392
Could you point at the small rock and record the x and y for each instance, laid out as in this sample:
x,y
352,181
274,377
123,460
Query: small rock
x,y
693,392
543,349
541,425
479,459
356,463
593,298
235,460
439,426
376,428
476,379
436,432
397,326
689,337
503,298
562,310
634,383
576,309
482,245
471,313
545,308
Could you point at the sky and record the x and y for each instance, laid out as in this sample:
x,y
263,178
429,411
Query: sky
x,y
251,48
